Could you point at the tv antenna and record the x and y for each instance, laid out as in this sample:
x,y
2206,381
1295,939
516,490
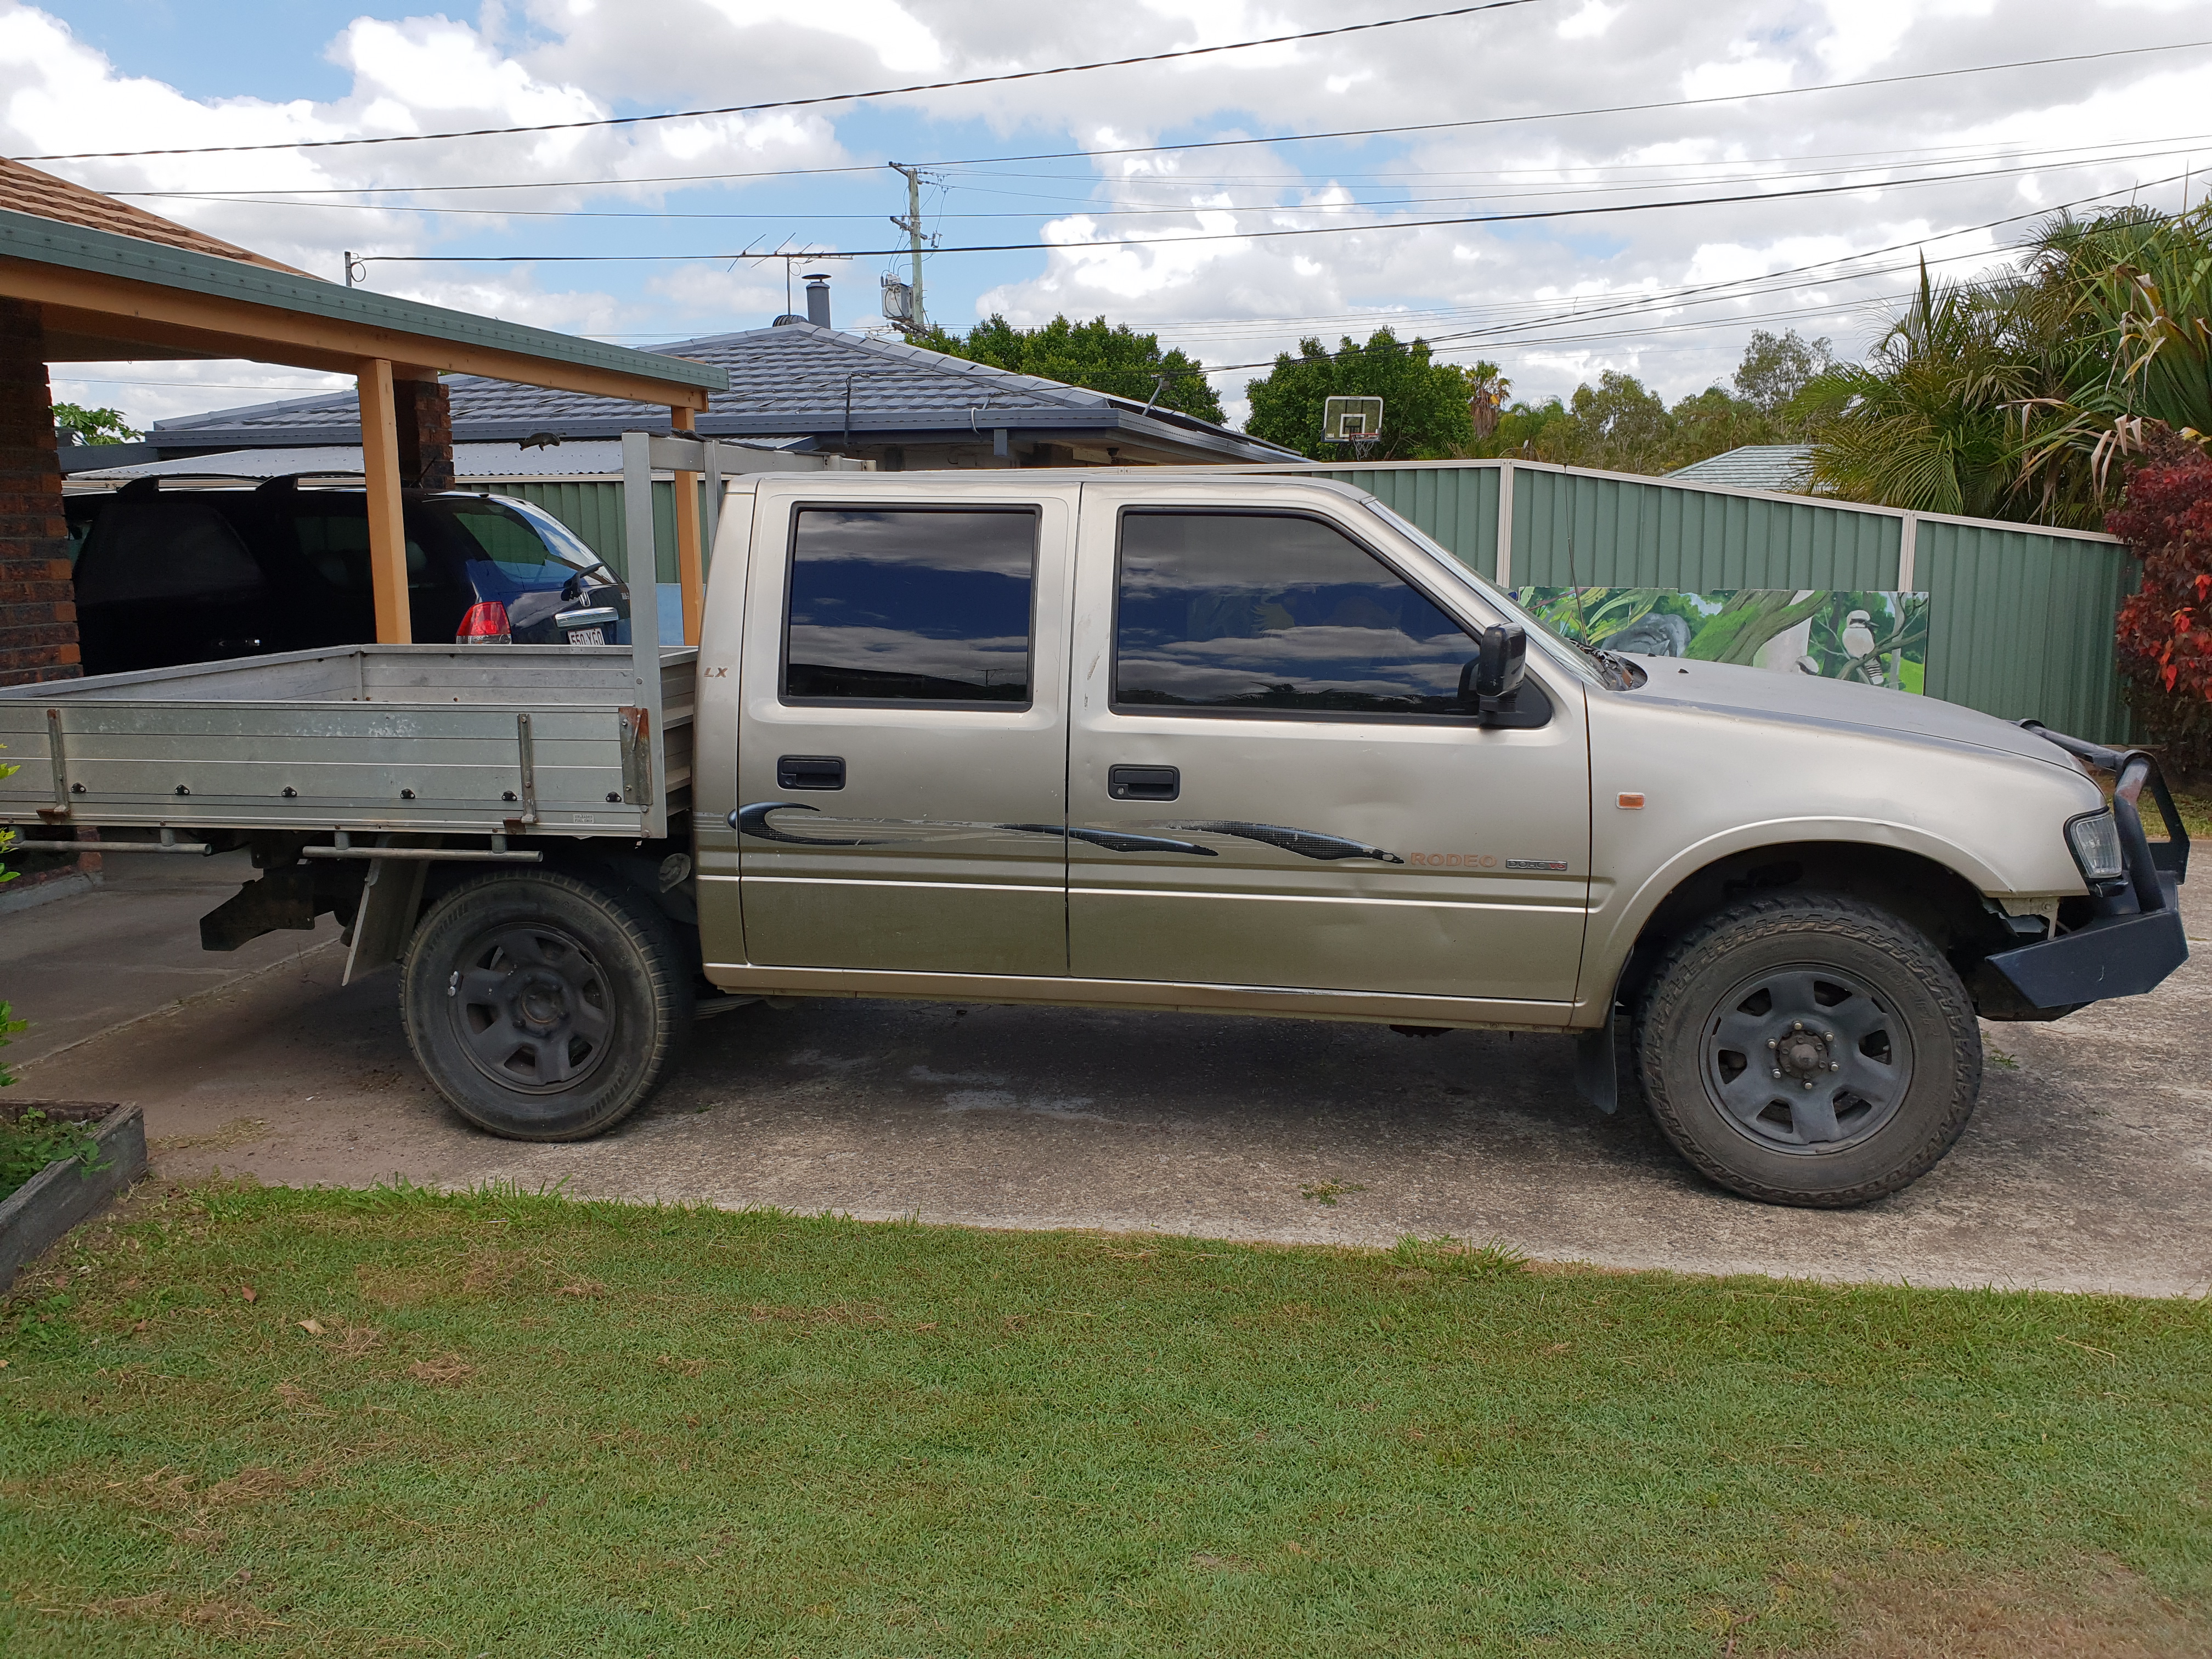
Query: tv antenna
x,y
1354,420
792,258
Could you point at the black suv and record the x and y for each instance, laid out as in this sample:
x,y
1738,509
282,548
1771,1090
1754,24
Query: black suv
x,y
174,576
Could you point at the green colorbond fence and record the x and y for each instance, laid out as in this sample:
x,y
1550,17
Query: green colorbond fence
x,y
2020,620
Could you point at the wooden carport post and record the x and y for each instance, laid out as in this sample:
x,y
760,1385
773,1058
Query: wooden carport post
x,y
690,565
387,520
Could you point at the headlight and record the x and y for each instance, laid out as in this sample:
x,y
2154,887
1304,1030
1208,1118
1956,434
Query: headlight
x,y
2094,839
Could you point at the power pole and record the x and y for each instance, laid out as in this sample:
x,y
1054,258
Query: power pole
x,y
912,226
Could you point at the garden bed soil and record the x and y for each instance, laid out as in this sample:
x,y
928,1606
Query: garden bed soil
x,y
48,1204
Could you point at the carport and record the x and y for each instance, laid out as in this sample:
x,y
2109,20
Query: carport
x,y
85,278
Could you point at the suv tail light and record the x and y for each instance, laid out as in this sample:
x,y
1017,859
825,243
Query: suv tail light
x,y
485,624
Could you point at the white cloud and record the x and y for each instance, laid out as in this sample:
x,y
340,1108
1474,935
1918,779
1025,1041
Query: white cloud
x,y
1541,295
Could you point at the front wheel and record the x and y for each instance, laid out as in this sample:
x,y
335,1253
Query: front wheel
x,y
1808,1049
544,1007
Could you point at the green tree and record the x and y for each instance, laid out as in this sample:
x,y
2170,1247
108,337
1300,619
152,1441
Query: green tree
x,y
95,426
1102,356
1777,368
1424,402
1782,394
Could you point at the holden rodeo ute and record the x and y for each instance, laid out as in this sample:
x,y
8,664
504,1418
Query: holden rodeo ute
x,y
1203,742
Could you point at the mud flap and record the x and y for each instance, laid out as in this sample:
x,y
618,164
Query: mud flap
x,y
390,900
1597,1079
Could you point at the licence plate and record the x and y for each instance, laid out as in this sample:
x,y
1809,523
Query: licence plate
x,y
587,636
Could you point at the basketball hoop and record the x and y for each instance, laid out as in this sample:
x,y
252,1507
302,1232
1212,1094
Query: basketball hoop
x,y
1356,421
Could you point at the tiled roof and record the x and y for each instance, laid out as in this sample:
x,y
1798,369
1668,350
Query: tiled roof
x,y
1785,469
795,378
26,189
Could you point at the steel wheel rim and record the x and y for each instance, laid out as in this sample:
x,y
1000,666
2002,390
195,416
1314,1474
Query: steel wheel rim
x,y
1806,1059
532,1008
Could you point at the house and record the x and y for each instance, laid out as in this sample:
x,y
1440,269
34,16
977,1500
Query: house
x,y
1786,469
900,406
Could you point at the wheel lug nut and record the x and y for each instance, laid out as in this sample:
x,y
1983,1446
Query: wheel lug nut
x,y
1797,1025
1808,1083
1835,1065
1777,1071
1827,1036
1772,1043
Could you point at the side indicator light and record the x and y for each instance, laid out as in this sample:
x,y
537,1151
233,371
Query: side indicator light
x,y
1632,803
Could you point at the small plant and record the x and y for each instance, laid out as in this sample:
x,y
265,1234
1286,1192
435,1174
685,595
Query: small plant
x,y
1327,1192
34,1140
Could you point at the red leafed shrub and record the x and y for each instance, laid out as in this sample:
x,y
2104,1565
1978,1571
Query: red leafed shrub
x,y
2166,629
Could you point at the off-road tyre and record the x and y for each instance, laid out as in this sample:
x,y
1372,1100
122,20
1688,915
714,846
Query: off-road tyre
x,y
1693,1017
515,976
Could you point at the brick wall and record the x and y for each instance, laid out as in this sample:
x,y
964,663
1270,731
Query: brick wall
x,y
38,608
425,418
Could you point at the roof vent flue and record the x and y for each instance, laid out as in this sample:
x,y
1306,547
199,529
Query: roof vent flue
x,y
817,299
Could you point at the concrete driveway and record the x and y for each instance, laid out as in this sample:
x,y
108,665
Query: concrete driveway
x,y
2086,1167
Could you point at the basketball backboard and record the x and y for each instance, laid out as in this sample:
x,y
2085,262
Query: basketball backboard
x,y
1352,420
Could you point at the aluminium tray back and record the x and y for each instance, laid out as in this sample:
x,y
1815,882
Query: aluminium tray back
x,y
425,739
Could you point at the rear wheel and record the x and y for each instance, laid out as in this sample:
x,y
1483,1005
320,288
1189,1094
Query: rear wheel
x,y
1808,1049
544,1007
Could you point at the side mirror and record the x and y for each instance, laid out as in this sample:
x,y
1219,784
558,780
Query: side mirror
x,y
1489,682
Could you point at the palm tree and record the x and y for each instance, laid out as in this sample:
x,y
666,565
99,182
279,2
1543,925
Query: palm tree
x,y
2011,397
1928,422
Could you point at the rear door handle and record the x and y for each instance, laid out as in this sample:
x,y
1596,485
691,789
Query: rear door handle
x,y
1144,782
809,772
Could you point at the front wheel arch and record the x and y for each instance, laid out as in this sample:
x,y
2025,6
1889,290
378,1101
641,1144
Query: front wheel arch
x,y
1930,896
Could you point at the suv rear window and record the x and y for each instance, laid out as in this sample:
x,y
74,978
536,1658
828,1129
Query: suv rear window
x,y
163,549
505,539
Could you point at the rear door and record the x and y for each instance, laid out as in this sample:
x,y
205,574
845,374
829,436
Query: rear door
x,y
902,744
1271,784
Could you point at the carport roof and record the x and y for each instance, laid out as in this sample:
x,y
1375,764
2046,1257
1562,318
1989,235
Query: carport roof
x,y
114,282
794,378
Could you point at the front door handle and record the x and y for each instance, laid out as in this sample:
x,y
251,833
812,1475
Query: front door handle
x,y
809,772
1144,782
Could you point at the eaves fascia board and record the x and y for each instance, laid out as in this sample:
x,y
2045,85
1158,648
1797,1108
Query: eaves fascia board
x,y
76,247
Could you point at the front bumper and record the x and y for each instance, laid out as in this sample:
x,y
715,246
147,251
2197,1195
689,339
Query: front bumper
x,y
2133,937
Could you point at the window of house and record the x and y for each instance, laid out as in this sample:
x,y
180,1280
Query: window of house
x,y
906,605
1227,612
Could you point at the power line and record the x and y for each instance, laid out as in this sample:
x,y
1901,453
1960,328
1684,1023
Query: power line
x,y
1135,149
2044,162
795,103
1473,337
1372,225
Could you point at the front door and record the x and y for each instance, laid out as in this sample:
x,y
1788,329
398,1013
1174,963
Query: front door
x,y
1272,783
902,742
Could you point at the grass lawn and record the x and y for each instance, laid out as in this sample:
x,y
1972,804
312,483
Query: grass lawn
x,y
263,1421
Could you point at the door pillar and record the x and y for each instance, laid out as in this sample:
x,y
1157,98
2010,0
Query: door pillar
x,y
690,561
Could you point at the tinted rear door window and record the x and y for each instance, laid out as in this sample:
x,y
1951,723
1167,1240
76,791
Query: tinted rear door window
x,y
910,606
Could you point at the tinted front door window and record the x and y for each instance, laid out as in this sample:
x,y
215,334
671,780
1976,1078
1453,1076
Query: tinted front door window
x,y
904,606
1225,611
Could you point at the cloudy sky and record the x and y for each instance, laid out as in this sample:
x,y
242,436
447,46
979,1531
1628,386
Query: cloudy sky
x,y
1526,111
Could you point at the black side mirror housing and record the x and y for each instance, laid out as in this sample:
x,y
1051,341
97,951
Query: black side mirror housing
x,y
1491,681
